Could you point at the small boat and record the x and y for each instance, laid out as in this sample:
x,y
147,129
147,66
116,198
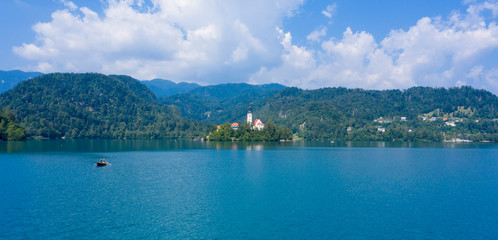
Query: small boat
x,y
101,163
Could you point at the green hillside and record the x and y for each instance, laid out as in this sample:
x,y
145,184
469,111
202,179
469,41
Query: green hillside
x,y
99,106
326,114
221,103
94,106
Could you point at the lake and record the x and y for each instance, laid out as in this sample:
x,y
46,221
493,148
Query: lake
x,y
166,189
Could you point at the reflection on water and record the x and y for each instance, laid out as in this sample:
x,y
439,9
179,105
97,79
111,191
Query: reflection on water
x,y
99,145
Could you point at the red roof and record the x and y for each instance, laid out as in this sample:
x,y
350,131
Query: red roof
x,y
258,122
235,124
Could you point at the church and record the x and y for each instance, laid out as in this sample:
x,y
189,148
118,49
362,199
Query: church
x,y
257,125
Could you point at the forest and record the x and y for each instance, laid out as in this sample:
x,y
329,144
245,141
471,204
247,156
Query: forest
x,y
94,106
221,103
9,127
91,105
327,113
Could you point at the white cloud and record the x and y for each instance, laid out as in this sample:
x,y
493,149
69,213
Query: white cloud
x,y
434,52
214,41
491,78
195,40
297,62
316,35
69,5
329,11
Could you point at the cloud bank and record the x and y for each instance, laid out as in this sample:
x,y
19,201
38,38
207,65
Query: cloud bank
x,y
433,52
197,40
214,41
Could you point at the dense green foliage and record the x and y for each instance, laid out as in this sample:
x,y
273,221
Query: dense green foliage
x,y
165,88
270,132
9,128
99,106
94,106
326,114
221,103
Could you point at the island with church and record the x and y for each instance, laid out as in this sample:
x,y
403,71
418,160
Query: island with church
x,y
250,131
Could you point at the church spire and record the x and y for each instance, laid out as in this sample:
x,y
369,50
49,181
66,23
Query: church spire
x,y
249,116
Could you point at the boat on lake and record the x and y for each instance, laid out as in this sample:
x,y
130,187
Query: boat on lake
x,y
101,163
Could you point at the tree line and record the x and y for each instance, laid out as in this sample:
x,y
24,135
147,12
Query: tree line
x,y
9,127
271,132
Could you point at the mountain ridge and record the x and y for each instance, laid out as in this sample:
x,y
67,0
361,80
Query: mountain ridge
x,y
9,79
165,88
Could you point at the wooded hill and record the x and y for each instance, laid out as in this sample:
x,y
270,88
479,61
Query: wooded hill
x,y
99,106
326,114
222,103
94,106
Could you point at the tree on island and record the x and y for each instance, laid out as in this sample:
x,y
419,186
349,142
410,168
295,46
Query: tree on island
x,y
271,132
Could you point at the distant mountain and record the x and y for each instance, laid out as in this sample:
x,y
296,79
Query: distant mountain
x,y
165,88
94,106
221,103
9,79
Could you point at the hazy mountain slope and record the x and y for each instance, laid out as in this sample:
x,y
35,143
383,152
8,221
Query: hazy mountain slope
x,y
9,79
165,88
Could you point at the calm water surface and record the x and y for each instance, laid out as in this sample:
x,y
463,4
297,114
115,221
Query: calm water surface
x,y
177,190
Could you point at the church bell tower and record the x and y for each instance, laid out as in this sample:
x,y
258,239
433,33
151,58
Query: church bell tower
x,y
249,116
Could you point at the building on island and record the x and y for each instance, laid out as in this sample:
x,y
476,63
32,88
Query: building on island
x,y
258,125
235,126
249,116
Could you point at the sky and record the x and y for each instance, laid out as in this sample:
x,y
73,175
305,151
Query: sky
x,y
383,44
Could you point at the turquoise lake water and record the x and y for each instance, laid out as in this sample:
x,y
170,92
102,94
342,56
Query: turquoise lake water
x,y
179,190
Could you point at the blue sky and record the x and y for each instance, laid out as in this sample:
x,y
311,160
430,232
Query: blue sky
x,y
384,44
